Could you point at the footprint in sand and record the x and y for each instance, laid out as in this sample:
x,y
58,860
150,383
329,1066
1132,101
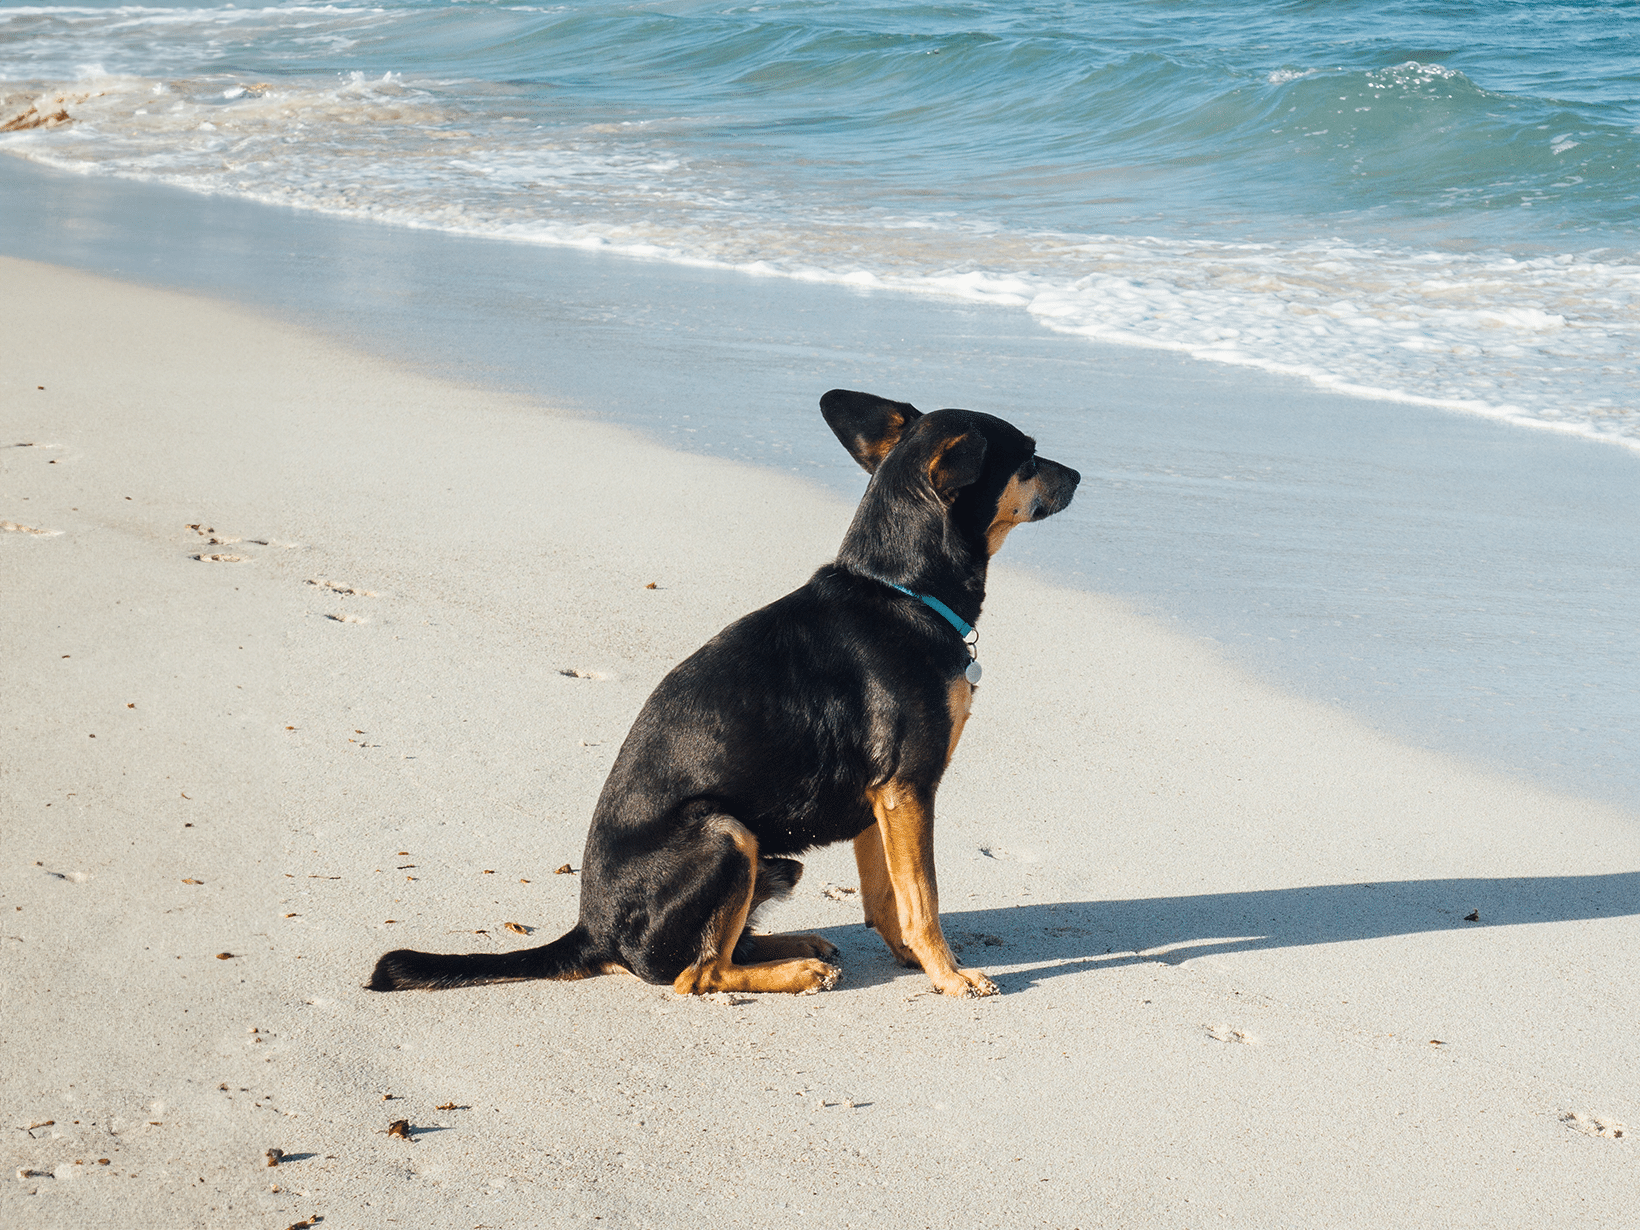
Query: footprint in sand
x,y
1593,1125
220,559
215,538
960,940
352,591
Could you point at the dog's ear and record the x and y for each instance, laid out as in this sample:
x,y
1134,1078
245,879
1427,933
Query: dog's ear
x,y
957,461
868,426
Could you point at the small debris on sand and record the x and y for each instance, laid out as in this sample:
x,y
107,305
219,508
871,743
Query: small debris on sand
x,y
274,1156
338,588
401,1129
565,870
1593,1125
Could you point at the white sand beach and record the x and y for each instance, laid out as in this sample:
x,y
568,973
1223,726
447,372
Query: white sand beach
x,y
306,656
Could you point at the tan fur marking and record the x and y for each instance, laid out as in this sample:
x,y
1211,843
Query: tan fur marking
x,y
877,450
884,445
1014,508
937,462
959,701
907,831
877,893
716,970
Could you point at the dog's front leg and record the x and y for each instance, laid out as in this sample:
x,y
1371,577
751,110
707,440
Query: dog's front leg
x,y
905,821
877,894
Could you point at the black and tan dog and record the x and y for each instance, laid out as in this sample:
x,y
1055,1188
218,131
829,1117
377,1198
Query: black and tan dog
x,y
829,715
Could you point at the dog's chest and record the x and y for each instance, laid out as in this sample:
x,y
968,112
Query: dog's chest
x,y
959,702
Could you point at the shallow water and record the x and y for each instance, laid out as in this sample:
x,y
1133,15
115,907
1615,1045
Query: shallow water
x,y
1457,582
1420,200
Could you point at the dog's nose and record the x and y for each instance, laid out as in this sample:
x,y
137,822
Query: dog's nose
x,y
1058,484
1064,479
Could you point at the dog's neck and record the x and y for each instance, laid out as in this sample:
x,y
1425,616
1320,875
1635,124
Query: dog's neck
x,y
918,547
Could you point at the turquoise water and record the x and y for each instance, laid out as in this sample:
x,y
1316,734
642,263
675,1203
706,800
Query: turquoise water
x,y
1431,202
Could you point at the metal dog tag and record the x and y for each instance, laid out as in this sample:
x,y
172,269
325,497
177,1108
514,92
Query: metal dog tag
x,y
973,672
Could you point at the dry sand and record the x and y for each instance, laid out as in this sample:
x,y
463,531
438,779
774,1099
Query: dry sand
x,y
1239,987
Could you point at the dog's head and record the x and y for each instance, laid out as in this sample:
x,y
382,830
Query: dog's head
x,y
981,472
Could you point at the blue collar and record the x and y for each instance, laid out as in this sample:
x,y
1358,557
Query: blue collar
x,y
963,627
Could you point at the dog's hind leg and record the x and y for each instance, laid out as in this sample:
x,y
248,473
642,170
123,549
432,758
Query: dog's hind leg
x,y
776,878
715,969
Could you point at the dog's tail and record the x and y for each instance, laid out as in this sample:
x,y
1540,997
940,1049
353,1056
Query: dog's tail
x,y
568,956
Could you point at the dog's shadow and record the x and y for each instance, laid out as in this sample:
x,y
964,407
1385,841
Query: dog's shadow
x,y
1072,936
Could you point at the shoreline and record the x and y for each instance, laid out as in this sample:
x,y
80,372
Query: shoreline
x,y
1455,582
973,290
1229,923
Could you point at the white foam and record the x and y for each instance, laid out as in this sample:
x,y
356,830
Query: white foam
x,y
1546,342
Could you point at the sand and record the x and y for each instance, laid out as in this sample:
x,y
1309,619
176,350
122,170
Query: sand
x,y
306,656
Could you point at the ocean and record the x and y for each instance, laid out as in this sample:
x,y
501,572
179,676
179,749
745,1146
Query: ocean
x,y
1419,200
1336,304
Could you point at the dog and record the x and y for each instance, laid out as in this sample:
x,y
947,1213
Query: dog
x,y
829,715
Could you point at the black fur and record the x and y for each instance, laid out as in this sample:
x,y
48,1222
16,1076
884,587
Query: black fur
x,y
786,718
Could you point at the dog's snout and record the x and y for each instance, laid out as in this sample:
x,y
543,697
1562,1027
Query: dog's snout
x,y
1056,485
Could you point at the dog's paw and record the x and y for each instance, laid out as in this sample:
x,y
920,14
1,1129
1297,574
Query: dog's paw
x,y
966,984
823,948
784,947
824,976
